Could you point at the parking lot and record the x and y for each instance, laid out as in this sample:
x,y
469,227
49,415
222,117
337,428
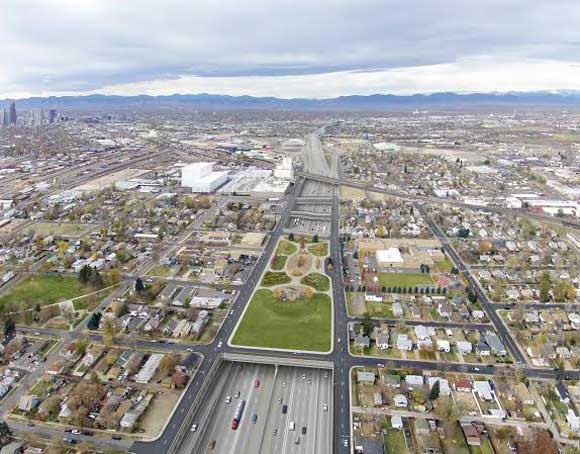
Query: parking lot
x,y
275,397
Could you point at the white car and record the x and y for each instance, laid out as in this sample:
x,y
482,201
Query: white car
x,y
220,344
228,399
303,376
194,428
325,407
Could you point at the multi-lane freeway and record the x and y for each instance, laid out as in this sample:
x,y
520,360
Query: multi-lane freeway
x,y
204,401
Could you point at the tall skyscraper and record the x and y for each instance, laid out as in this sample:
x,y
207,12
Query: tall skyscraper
x,y
51,116
13,113
4,118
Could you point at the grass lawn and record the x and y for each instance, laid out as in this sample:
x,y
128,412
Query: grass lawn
x,y
319,249
404,279
301,325
72,229
44,290
316,280
278,262
443,266
275,278
485,448
456,444
286,248
395,442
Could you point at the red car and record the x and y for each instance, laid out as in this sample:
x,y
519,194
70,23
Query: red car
x,y
257,383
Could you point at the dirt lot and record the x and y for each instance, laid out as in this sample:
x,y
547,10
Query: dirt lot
x,y
158,412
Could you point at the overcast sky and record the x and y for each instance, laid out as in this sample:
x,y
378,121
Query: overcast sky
x,y
313,48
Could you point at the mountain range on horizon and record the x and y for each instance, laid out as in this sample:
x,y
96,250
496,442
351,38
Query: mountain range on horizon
x,y
379,102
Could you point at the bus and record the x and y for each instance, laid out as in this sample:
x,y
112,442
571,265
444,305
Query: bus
x,y
238,414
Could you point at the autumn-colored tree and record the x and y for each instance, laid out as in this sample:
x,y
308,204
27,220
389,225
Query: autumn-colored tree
x,y
168,363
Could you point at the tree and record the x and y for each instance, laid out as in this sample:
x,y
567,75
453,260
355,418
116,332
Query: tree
x,y
435,390
448,412
564,291
315,238
168,363
368,325
81,346
9,327
139,286
85,274
291,236
545,284
94,321
108,333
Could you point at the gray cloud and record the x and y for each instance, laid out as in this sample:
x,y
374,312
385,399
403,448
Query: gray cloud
x,y
76,45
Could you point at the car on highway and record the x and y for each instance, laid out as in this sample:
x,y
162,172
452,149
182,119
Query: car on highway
x,y
280,400
228,399
303,430
475,369
238,395
194,427
284,409
275,432
254,418
284,384
291,426
220,343
257,383
297,442
325,375
303,376
345,443
71,441
325,407
76,432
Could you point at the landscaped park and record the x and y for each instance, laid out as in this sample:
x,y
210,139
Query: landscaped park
x,y
292,307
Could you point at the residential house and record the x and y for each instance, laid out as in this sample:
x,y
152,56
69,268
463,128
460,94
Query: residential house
x,y
443,345
404,343
400,401
397,310
397,422
365,378
483,390
444,389
383,341
471,434
391,380
462,385
563,393
414,381
495,344
362,341
464,347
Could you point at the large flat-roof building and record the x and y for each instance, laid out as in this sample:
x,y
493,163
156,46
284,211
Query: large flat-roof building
x,y
201,178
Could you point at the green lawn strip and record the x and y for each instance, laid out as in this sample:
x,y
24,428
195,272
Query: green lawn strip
x,y
318,281
275,278
404,279
395,441
486,447
286,248
278,262
44,290
319,249
444,266
300,325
